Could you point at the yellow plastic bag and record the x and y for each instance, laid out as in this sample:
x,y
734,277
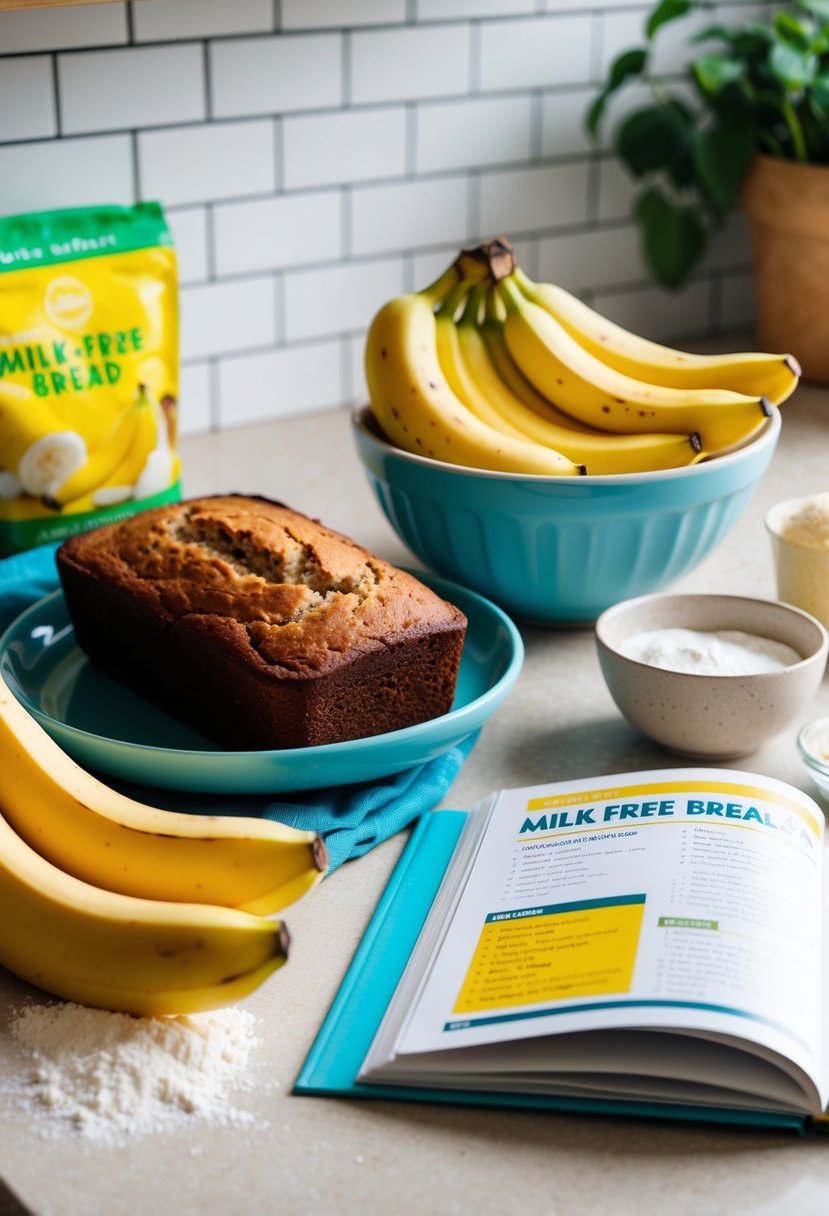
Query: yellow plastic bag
x,y
88,370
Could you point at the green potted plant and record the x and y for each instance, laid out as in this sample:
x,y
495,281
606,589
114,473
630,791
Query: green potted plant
x,y
753,129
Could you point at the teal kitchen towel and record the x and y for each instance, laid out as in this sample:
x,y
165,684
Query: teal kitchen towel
x,y
351,819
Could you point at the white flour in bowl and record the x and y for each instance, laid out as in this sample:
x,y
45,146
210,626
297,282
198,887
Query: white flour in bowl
x,y
110,1076
724,652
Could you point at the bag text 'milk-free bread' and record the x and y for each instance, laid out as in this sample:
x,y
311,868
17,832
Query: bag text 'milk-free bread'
x,y
88,370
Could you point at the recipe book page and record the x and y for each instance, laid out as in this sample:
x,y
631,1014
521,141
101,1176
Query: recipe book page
x,y
687,900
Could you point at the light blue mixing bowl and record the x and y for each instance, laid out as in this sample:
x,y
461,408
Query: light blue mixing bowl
x,y
560,550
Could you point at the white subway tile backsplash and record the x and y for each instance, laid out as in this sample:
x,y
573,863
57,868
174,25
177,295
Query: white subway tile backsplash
x,y
47,29
356,388
563,132
672,47
201,163
427,267
139,87
617,190
410,63
266,234
536,52
27,98
217,318
620,32
481,131
316,158
189,229
557,6
317,14
195,412
254,388
343,146
582,261
277,74
540,198
657,314
339,299
85,172
166,20
441,10
408,215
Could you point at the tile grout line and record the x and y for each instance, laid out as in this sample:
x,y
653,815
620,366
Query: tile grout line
x,y
57,100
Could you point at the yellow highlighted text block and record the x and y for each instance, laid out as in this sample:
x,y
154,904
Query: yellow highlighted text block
x,y
552,956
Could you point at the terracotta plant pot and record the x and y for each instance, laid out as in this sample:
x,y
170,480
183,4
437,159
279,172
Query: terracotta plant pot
x,y
787,204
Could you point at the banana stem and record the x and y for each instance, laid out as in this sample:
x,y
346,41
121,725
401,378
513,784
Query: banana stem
x,y
437,290
453,300
495,310
472,308
493,260
509,294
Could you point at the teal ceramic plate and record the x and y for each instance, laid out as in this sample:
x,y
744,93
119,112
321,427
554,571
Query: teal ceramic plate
x,y
106,727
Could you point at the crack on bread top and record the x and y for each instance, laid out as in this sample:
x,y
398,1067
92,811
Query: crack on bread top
x,y
216,559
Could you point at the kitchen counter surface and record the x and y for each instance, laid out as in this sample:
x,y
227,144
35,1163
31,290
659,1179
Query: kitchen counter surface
x,y
345,1157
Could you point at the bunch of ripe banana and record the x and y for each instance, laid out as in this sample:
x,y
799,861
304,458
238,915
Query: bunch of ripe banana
x,y
490,370
112,903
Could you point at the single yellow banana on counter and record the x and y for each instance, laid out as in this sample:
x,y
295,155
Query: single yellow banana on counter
x,y
117,952
558,367
474,396
602,453
416,408
774,377
104,838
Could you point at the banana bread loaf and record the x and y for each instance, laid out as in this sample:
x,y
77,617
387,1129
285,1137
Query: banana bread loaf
x,y
258,626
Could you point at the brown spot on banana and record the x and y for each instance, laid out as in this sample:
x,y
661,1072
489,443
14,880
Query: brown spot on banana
x,y
284,939
320,854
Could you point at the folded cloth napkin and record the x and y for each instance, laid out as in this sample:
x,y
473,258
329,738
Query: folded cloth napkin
x,y
351,819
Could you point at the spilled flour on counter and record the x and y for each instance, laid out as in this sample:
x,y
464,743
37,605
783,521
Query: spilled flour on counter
x,y
109,1076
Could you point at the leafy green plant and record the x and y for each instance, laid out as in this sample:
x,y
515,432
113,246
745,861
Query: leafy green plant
x,y
759,87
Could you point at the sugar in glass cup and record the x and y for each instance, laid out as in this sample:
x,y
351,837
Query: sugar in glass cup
x,y
801,553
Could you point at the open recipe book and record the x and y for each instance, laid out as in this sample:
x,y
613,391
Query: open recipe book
x,y
648,943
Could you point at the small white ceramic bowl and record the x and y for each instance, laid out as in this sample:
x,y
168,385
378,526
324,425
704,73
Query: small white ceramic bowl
x,y
707,717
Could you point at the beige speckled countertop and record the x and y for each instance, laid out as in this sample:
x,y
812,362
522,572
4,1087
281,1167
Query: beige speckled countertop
x,y
344,1157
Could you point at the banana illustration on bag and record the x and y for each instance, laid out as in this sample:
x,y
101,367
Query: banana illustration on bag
x,y
100,464
774,377
38,451
140,956
49,461
121,484
116,464
98,835
38,454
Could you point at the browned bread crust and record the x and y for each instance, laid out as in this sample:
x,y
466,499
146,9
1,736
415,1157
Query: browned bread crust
x,y
258,626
